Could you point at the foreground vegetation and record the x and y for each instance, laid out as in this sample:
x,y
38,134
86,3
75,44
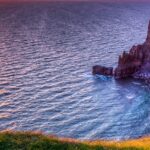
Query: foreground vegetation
x,y
37,141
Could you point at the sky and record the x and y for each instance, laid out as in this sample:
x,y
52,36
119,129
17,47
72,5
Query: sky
x,y
114,1
79,0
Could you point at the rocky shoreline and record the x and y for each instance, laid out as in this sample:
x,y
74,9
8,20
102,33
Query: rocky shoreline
x,y
135,63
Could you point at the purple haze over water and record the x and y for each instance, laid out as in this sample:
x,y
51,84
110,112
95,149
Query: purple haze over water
x,y
46,56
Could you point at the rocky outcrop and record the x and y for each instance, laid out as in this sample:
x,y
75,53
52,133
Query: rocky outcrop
x,y
103,70
135,63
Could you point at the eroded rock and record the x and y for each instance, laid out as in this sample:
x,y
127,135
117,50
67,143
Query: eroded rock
x,y
135,63
103,70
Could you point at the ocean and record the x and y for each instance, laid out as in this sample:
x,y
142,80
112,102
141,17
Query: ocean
x,y
47,51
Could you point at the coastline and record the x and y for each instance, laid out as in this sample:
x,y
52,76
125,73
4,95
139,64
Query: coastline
x,y
37,140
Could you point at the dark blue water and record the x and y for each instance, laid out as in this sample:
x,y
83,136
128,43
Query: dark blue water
x,y
47,51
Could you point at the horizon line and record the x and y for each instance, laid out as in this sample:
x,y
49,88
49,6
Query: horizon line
x,y
101,1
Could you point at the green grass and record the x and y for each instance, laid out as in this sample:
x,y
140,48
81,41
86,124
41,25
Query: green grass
x,y
37,141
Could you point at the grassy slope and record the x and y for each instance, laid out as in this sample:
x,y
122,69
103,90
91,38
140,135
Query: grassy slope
x,y
37,141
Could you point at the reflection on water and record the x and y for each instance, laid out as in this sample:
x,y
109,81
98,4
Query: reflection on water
x,y
46,55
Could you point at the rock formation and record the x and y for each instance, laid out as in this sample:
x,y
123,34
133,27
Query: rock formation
x,y
135,63
103,70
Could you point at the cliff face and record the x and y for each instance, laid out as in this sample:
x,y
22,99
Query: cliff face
x,y
135,63
147,42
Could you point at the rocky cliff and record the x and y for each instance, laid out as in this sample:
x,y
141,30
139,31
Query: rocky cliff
x,y
135,63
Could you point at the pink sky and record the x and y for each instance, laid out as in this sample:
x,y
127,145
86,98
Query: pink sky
x,y
120,1
80,0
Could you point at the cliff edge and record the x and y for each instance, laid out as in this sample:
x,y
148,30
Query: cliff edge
x,y
135,63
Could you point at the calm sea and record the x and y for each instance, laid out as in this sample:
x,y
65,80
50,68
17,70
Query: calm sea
x,y
47,51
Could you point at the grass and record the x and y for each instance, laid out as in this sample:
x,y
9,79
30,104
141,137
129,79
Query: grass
x,y
38,141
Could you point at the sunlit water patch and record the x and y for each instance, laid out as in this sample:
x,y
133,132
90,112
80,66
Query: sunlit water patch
x,y
46,56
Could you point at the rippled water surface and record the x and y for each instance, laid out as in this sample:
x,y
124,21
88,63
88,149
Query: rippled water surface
x,y
47,51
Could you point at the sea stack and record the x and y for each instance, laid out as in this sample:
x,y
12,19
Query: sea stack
x,y
135,63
